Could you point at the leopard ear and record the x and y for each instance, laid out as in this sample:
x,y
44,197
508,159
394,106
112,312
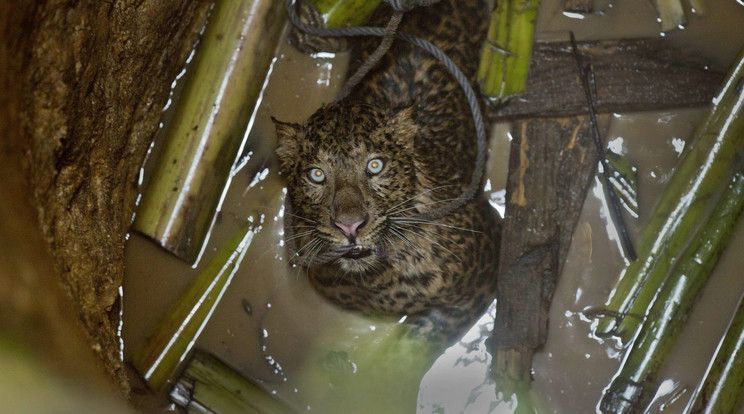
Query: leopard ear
x,y
287,149
403,126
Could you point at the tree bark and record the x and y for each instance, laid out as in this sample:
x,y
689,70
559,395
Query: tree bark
x,y
86,82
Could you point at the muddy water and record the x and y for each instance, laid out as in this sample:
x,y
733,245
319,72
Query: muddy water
x,y
270,321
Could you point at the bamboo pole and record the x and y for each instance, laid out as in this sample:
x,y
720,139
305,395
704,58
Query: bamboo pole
x,y
720,391
505,56
345,13
208,385
697,181
176,333
209,123
634,384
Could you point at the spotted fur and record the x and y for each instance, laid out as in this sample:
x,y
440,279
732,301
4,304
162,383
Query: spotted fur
x,y
410,114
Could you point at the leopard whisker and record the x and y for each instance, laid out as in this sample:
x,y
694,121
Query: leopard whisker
x,y
298,260
432,241
274,211
307,260
423,204
432,232
311,244
315,254
302,218
395,250
300,226
298,235
409,220
390,210
404,238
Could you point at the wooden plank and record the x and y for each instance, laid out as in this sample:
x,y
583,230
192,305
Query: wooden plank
x,y
631,75
550,166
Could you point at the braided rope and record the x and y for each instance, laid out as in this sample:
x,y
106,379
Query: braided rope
x,y
401,6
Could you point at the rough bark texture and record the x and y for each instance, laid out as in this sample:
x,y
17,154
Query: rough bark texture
x,y
550,165
32,308
89,80
631,75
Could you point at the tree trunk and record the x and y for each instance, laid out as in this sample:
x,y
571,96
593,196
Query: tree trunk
x,y
83,87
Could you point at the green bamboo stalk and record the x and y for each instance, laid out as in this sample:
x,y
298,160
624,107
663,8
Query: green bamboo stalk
x,y
208,126
505,56
696,182
176,333
345,13
208,385
720,390
633,385
671,14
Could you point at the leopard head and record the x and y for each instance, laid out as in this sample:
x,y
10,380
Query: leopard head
x,y
350,172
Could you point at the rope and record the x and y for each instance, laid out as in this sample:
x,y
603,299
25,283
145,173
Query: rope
x,y
586,74
371,62
401,6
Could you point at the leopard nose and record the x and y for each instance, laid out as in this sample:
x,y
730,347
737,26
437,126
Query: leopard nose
x,y
350,227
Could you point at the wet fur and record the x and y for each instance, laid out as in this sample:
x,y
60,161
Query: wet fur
x,y
410,113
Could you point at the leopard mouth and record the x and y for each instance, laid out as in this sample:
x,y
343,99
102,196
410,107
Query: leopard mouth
x,y
357,252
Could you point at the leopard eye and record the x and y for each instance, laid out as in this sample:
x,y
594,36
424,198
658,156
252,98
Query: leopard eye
x,y
316,175
374,166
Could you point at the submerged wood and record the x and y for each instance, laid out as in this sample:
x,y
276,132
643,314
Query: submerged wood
x,y
633,75
209,122
550,166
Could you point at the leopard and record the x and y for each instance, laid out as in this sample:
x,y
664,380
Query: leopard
x,y
362,171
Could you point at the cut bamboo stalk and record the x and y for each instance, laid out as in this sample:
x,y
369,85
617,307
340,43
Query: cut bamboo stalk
x,y
505,56
208,385
697,181
635,382
720,389
176,333
345,13
208,126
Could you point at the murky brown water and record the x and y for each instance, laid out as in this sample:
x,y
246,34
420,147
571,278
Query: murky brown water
x,y
288,321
